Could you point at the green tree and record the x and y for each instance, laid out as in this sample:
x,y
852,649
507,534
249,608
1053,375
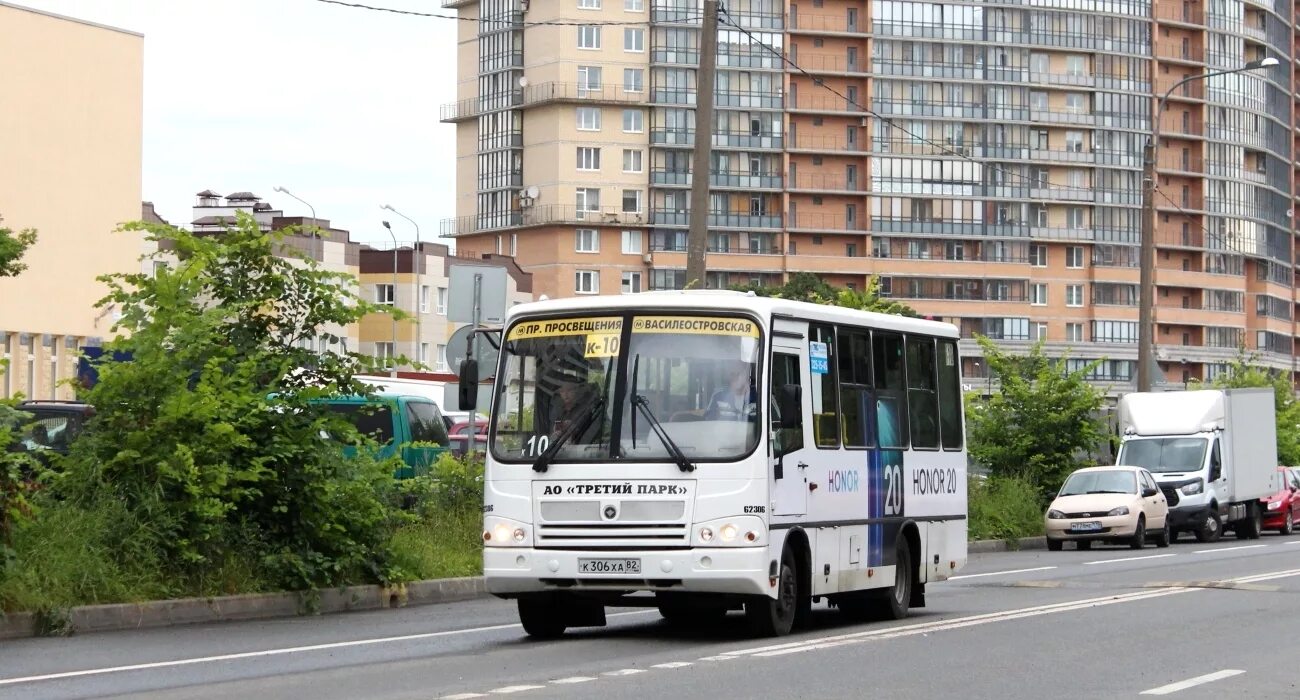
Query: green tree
x,y
12,247
212,432
1040,420
1244,373
18,473
806,286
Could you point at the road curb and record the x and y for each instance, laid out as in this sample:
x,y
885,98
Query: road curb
x,y
985,546
253,606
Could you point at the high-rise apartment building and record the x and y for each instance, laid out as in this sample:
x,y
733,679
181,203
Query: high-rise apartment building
x,y
983,159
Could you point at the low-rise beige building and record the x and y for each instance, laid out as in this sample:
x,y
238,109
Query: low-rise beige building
x,y
70,140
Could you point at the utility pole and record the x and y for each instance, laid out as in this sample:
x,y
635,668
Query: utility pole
x,y
1147,258
697,239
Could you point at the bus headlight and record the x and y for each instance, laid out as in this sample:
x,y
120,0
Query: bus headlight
x,y
739,531
503,532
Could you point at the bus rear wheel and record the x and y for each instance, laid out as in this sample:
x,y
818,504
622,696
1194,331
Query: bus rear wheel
x,y
774,617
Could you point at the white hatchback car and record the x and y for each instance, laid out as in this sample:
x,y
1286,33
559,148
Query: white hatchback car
x,y
1113,504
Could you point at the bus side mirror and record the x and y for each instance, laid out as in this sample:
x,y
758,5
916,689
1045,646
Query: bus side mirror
x,y
790,402
468,388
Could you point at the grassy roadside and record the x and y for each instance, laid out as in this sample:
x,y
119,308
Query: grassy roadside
x,y
1003,508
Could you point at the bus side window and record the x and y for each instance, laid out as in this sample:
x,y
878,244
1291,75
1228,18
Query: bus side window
x,y
922,397
785,370
825,402
891,389
950,396
855,387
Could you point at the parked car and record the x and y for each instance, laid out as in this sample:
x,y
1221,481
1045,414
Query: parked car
x,y
1110,504
459,436
397,423
1282,509
54,424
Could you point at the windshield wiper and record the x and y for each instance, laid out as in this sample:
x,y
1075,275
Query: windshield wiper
x,y
544,461
678,456
1104,491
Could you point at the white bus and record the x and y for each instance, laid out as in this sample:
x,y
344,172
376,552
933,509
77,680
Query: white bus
x,y
721,451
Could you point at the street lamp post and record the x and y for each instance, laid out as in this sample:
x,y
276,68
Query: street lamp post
x,y
417,266
1147,260
393,358
314,238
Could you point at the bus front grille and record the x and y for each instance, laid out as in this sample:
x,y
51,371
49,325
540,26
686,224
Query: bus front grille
x,y
654,534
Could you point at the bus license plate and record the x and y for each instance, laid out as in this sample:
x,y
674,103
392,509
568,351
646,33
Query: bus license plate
x,y
609,566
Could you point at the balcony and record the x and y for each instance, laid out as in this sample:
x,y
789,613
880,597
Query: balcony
x,y
745,60
721,98
817,222
826,182
542,94
954,110
721,260
731,139
750,181
817,142
758,21
1055,156
1194,90
836,24
1180,14
829,63
910,69
682,218
1009,229
1055,117
542,215
453,4
1176,162
1078,80
1175,52
1051,233
1063,194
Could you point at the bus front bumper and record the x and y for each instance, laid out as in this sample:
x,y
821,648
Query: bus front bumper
x,y
730,570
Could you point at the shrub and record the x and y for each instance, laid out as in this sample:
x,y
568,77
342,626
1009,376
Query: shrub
x,y
1004,508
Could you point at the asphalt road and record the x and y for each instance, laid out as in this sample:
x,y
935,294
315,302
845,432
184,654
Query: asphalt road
x,y
1192,621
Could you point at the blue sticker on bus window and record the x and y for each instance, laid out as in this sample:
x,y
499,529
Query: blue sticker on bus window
x,y
818,358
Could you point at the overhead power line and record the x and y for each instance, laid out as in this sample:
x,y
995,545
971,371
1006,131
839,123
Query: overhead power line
x,y
488,20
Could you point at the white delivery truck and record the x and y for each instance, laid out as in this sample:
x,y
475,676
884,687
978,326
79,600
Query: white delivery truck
x,y
1212,452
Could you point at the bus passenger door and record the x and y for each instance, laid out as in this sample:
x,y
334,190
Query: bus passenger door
x,y
790,446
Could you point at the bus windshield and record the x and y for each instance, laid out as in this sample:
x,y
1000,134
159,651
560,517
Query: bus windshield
x,y
607,379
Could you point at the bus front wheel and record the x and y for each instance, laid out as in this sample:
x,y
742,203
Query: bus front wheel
x,y
894,601
770,617
541,617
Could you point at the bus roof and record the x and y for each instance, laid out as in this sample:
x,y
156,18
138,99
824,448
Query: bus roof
x,y
723,300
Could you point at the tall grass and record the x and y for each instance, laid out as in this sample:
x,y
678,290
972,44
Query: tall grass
x,y
441,545
1004,508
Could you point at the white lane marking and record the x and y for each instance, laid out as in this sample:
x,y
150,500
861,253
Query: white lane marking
x,y
1113,561
572,679
511,689
720,657
999,573
1228,549
1292,542
463,696
673,664
272,652
624,672
1192,682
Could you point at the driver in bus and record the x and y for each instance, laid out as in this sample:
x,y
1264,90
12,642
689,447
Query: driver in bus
x,y
736,401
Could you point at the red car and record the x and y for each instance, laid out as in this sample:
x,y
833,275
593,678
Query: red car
x,y
1282,509
459,435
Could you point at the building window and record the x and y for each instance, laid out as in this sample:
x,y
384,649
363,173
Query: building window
x,y
30,351
385,351
588,119
634,5
1038,255
633,79
424,353
424,298
589,79
1076,65
1074,102
631,282
6,366
586,241
588,4
53,349
1074,295
442,357
632,161
1037,100
586,282
588,200
442,301
632,201
1074,257
589,37
1040,331
634,40
633,121
1074,141
1038,294
631,242
1074,332
384,294
1074,217
588,158
514,244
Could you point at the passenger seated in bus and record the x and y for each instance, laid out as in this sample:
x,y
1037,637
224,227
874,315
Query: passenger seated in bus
x,y
736,401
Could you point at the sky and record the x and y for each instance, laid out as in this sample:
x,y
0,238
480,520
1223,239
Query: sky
x,y
335,104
